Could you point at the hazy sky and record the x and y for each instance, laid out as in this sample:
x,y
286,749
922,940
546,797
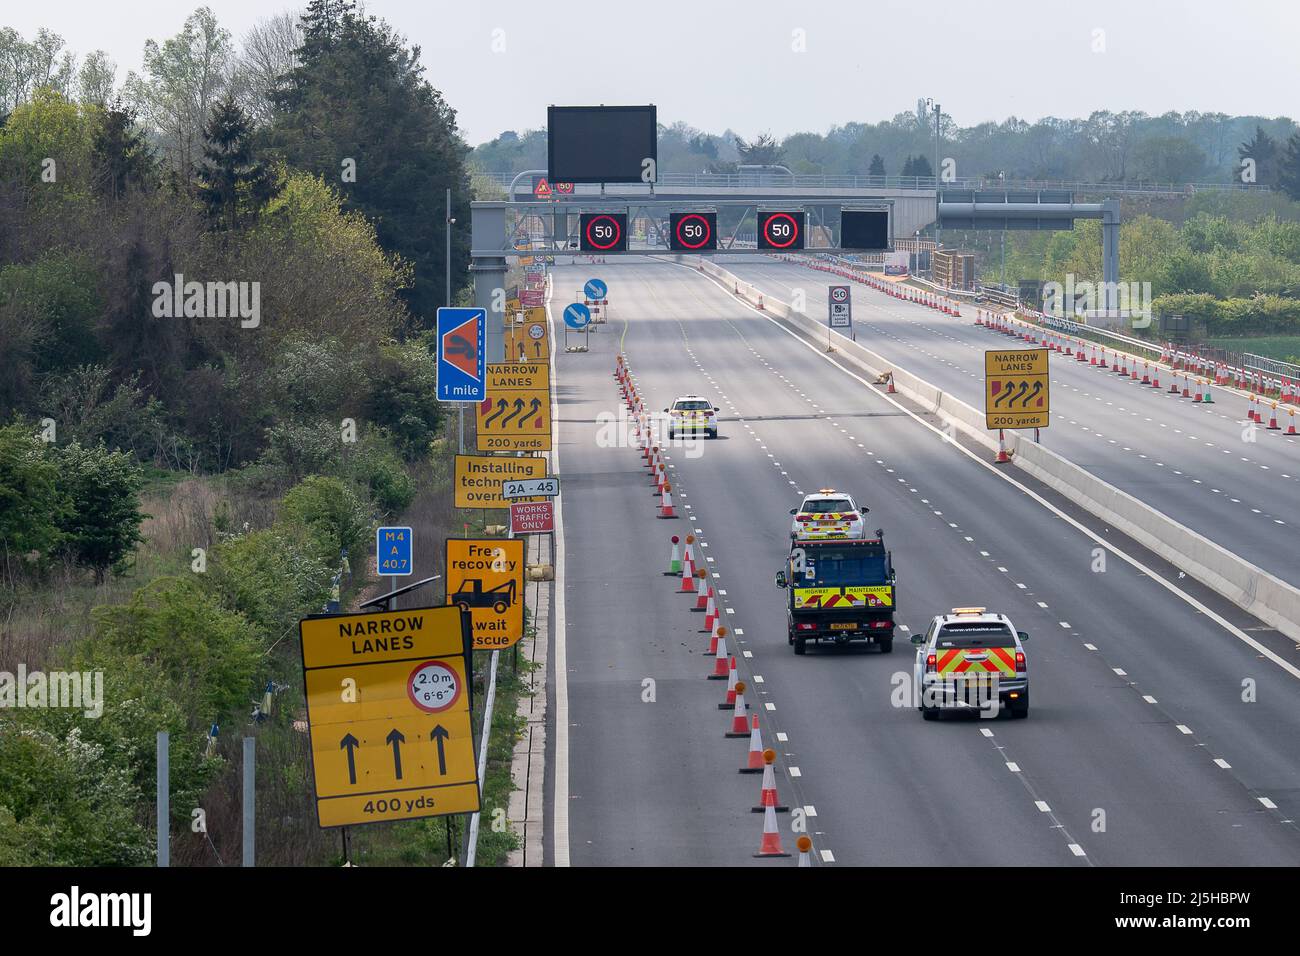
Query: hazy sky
x,y
718,63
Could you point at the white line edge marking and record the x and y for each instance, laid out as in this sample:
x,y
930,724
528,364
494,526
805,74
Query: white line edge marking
x,y
560,810
1033,495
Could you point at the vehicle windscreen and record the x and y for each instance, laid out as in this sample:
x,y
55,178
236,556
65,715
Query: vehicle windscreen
x,y
832,568
826,506
692,405
975,635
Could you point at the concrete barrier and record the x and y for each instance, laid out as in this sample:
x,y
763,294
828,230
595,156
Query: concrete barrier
x,y
1262,594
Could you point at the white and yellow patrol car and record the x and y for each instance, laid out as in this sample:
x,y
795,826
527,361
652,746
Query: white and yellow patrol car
x,y
828,514
970,658
690,415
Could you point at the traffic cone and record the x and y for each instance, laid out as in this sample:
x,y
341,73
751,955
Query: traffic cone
x,y
771,845
1003,455
701,591
674,559
729,699
688,578
1173,386
1187,391
720,667
1102,363
891,390
767,793
666,505
1155,377
1208,399
710,613
688,556
1290,427
754,760
1250,409
719,632
804,843
739,719
1273,426
1146,373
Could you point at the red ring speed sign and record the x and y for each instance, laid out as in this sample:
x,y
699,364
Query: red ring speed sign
x,y
781,217
839,293
616,232
706,232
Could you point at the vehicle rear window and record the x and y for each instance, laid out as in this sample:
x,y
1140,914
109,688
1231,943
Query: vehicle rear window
x,y
838,568
826,505
975,635
694,405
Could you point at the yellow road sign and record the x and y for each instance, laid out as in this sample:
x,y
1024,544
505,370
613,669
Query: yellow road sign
x,y
535,314
516,416
529,342
478,478
388,712
485,576
1017,388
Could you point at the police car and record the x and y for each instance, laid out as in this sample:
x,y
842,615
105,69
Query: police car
x,y
828,514
965,658
691,414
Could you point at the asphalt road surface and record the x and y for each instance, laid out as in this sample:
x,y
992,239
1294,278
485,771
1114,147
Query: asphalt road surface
x,y
1200,464
1163,721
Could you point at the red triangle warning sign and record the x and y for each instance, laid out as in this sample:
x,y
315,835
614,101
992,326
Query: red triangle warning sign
x,y
542,189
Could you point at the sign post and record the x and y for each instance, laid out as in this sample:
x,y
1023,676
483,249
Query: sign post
x,y
394,554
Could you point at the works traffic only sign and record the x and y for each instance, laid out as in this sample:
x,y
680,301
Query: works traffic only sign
x,y
485,576
516,416
388,714
393,551
478,479
1017,390
461,355
532,517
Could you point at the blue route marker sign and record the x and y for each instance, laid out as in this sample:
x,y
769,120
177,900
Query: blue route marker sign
x,y
462,355
394,547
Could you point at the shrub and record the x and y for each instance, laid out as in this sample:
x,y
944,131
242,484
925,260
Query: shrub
x,y
334,514
102,525
272,577
30,501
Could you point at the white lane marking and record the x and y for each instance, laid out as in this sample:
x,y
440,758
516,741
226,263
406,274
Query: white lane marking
x,y
828,856
1223,763
809,810
1267,802
1064,624
770,706
1183,729
986,732
796,772
1120,671
1013,766
782,736
1149,699
1042,806
1091,647
1077,850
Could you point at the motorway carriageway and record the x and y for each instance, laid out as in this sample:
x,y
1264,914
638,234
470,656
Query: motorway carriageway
x,y
1136,716
1185,459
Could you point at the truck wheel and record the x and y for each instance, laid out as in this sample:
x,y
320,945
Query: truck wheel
x,y
886,644
799,646
789,636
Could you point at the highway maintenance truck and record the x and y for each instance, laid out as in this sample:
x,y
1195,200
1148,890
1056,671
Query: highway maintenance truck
x,y
839,590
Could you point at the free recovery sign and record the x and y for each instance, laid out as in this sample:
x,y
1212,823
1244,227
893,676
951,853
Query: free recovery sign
x,y
485,576
1016,388
388,714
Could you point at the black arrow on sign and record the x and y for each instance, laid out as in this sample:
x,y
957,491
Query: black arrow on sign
x,y
501,407
396,739
537,347
1024,387
536,404
350,743
1038,387
439,735
519,407
1006,392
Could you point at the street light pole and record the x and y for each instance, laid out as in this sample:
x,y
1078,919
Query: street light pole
x,y
460,406
938,232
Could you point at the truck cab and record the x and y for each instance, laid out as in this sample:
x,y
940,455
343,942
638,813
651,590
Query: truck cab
x,y
839,591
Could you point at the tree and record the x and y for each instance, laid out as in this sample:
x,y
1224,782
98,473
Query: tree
x,y
120,159
185,76
333,513
232,184
96,80
1289,172
30,505
1263,150
877,166
763,150
917,166
358,112
267,55
102,524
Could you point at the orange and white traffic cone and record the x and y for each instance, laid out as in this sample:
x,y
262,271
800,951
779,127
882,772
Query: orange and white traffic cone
x,y
771,845
1004,456
666,505
720,668
739,719
1290,427
804,844
767,793
688,556
719,632
1273,426
701,591
688,577
754,759
675,559
729,699
710,613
